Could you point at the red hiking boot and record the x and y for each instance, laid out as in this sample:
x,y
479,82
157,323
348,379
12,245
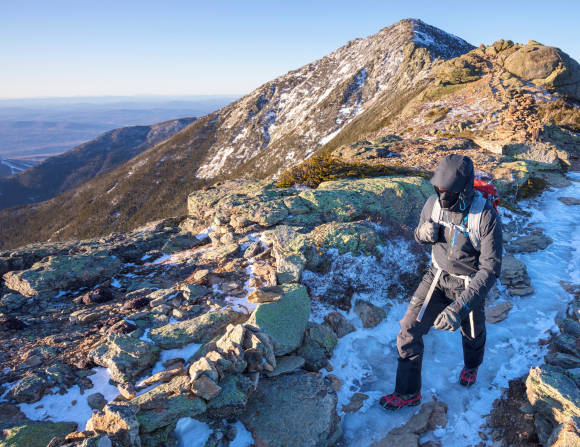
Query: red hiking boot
x,y
468,376
395,401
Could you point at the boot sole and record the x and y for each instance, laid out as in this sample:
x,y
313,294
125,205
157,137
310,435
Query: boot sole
x,y
394,408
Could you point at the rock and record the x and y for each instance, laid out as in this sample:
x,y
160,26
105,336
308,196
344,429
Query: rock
x,y
566,343
339,324
266,294
203,367
317,347
62,273
11,324
221,252
165,404
284,320
356,402
126,357
498,312
12,301
370,314
430,416
97,296
569,326
122,327
254,249
127,390
204,387
180,242
566,434
530,243
161,377
96,401
297,410
232,400
136,303
197,330
569,200
545,66
34,433
286,365
119,421
563,360
192,292
553,394
514,276
29,389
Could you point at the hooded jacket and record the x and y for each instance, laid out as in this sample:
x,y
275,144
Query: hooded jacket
x,y
459,257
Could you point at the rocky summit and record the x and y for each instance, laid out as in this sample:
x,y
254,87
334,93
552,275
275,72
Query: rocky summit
x,y
242,282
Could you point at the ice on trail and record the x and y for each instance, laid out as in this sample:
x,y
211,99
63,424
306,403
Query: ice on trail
x,y
243,437
366,360
71,406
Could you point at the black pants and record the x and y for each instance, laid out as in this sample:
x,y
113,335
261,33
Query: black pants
x,y
410,338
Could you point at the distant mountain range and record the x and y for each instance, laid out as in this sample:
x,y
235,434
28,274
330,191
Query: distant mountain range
x,y
410,83
79,165
35,129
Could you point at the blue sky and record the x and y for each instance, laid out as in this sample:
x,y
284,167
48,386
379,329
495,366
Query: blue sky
x,y
70,48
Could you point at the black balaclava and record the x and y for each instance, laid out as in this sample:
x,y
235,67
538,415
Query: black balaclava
x,y
455,175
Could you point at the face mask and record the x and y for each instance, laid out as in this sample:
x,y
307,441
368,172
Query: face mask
x,y
448,198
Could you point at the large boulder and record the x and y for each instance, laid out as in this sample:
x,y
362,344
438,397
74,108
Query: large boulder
x,y
126,356
284,320
297,410
197,330
63,273
546,66
553,394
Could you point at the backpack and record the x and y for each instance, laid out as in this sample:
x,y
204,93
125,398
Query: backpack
x,y
484,192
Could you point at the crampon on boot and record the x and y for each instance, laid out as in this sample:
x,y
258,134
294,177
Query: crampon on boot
x,y
467,377
395,401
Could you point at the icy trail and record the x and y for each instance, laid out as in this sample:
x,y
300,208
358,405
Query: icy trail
x,y
365,360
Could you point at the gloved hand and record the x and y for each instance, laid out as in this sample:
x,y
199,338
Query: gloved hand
x,y
428,232
448,320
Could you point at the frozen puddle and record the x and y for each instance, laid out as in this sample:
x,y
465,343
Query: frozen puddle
x,y
366,360
71,406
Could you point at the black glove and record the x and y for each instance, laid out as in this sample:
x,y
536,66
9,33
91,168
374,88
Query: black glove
x,y
428,232
448,320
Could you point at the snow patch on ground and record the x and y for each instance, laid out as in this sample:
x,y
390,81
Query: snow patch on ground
x,y
366,360
185,353
71,406
191,433
243,437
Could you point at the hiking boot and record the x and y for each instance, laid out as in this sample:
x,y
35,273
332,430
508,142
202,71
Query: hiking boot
x,y
468,376
395,401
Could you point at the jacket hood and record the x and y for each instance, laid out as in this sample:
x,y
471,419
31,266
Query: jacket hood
x,y
455,173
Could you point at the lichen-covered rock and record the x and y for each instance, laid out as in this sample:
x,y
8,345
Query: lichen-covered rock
x,y
197,330
530,243
126,356
29,389
12,301
339,324
284,320
297,410
119,421
63,273
35,434
514,275
553,394
232,399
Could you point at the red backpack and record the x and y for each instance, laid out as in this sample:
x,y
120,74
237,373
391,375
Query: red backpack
x,y
487,190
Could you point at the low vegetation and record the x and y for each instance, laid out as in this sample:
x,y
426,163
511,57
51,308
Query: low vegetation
x,y
560,113
324,167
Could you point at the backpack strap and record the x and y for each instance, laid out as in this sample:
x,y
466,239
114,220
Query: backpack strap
x,y
474,220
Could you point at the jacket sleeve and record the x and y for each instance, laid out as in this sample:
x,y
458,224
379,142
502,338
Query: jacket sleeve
x,y
425,217
489,262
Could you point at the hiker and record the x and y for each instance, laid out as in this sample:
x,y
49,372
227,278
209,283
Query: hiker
x,y
464,230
